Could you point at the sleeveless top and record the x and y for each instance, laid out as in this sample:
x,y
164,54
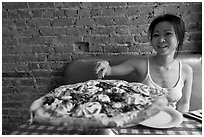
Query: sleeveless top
x,y
174,93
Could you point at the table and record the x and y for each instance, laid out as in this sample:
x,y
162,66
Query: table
x,y
187,127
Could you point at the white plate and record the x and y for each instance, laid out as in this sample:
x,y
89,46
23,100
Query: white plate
x,y
167,118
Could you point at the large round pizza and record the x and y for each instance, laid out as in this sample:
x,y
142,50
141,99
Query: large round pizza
x,y
98,104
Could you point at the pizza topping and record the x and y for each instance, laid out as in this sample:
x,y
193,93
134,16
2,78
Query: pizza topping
x,y
91,108
117,105
105,100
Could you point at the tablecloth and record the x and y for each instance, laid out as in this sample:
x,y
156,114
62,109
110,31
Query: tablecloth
x,y
187,127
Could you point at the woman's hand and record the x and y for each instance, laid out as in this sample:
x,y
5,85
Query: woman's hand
x,y
102,68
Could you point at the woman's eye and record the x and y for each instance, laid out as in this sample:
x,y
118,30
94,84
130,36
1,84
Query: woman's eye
x,y
155,35
168,33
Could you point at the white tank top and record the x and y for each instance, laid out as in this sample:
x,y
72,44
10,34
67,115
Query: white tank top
x,y
174,93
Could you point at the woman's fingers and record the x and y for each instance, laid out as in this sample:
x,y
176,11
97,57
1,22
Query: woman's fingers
x,y
101,69
98,67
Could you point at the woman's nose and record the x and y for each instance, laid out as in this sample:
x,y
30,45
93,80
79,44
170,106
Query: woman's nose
x,y
161,39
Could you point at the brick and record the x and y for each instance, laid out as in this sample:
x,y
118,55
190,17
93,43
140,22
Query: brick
x,y
103,30
48,13
43,81
95,47
44,66
63,49
78,30
41,4
10,58
96,39
141,39
63,22
59,31
192,18
85,21
36,13
92,5
28,58
120,49
107,12
138,48
42,57
122,30
67,4
20,23
59,57
113,4
70,12
33,66
21,67
28,32
95,12
104,21
83,13
16,74
132,11
122,20
9,32
12,14
69,39
33,40
14,5
122,39
31,23
59,13
24,14
8,67
138,29
43,22
121,11
56,66
81,47
52,31
42,49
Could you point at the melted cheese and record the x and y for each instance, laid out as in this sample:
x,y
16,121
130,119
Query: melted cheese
x,y
103,98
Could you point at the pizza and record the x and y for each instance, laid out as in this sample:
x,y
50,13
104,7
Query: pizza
x,y
98,104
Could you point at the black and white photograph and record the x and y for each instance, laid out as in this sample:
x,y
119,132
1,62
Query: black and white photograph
x,y
101,68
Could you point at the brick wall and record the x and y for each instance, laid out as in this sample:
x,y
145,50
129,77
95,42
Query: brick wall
x,y
38,39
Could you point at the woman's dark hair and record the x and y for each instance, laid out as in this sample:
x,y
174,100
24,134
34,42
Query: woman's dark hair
x,y
178,25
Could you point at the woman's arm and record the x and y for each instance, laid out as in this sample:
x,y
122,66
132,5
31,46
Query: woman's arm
x,y
125,68
184,104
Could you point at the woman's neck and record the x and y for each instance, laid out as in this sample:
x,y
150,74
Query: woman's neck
x,y
164,60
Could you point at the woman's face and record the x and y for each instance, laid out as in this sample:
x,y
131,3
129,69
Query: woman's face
x,y
164,39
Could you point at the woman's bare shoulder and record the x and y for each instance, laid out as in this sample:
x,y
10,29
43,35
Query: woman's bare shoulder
x,y
187,70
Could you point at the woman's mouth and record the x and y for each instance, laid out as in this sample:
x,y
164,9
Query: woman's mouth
x,y
162,46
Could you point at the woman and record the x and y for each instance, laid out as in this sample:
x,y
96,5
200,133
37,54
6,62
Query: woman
x,y
162,70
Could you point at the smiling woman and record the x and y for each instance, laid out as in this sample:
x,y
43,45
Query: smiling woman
x,y
162,71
